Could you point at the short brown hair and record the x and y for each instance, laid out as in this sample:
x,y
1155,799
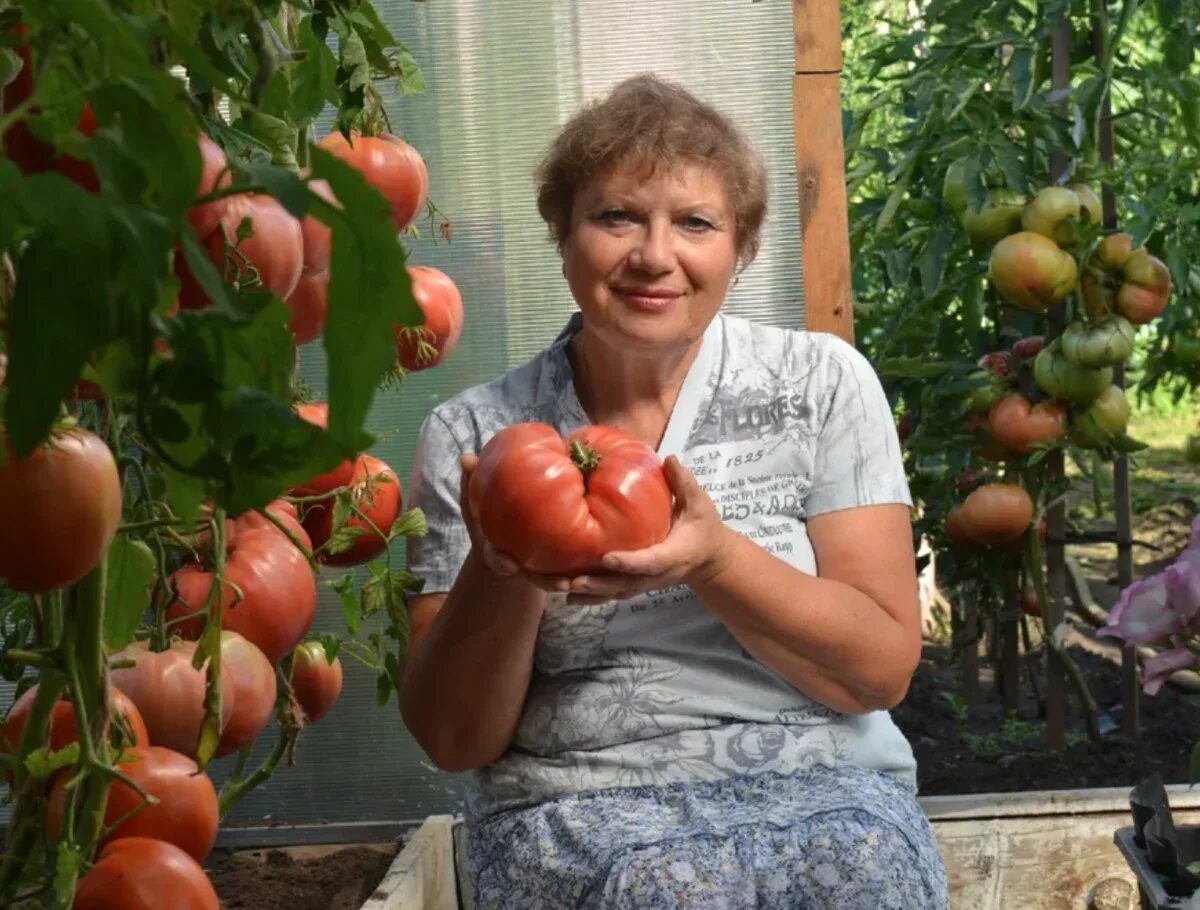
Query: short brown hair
x,y
648,121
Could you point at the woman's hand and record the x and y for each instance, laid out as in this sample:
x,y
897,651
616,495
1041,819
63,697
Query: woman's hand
x,y
697,549
495,561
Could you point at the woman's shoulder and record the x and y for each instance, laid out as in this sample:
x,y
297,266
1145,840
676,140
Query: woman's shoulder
x,y
790,351
529,391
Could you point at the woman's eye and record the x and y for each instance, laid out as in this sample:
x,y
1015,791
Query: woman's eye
x,y
696,224
614,216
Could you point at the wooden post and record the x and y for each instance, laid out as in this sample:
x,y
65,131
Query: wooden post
x,y
821,167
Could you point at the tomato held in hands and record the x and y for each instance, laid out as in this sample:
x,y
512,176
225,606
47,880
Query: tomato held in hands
x,y
556,506
427,345
390,165
62,504
169,693
375,492
316,682
270,598
140,873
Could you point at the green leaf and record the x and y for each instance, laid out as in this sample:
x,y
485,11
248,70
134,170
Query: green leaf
x,y
184,493
1127,444
284,185
332,644
315,83
348,597
274,133
913,367
42,763
131,572
1021,68
932,261
383,688
369,293
46,356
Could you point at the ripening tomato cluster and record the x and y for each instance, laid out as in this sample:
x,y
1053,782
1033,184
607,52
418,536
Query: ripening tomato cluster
x,y
286,257
291,258
1038,393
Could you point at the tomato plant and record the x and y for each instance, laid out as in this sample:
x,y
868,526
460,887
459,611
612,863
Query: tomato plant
x,y
155,573
558,505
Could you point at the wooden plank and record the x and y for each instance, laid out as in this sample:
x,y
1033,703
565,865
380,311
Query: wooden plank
x,y
422,877
824,220
817,31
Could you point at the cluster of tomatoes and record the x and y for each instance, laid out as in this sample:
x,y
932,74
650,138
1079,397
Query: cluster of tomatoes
x,y
1037,395
268,595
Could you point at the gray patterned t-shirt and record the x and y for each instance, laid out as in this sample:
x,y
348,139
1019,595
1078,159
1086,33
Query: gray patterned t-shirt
x,y
777,426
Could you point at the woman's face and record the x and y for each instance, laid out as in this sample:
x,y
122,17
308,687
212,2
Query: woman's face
x,y
649,258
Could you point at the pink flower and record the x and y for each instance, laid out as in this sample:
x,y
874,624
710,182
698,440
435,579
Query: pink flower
x,y
1157,669
1143,614
1182,580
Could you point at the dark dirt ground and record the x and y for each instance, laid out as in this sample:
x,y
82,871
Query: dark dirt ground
x,y
299,879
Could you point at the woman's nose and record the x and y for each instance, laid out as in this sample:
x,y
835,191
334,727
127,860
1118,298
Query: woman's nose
x,y
654,253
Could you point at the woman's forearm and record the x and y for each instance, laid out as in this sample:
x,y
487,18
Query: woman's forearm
x,y
465,680
828,639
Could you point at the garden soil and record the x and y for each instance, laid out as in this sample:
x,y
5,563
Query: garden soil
x,y
325,878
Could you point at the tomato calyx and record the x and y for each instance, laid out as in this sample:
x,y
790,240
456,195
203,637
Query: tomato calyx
x,y
583,457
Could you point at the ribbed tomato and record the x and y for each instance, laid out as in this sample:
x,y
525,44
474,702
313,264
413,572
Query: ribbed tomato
x,y
271,256
270,598
317,413
169,693
376,493
127,725
316,682
557,505
253,680
996,513
140,873
427,345
390,165
1021,426
62,504
185,815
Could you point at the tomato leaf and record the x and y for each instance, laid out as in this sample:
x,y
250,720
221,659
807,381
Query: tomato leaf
x,y
131,572
46,356
42,763
316,75
347,594
369,293
383,688
332,644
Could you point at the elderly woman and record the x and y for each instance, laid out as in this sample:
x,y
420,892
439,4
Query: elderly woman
x,y
704,723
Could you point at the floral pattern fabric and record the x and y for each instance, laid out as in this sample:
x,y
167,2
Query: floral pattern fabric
x,y
826,839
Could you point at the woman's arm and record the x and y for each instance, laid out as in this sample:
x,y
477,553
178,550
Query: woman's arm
x,y
849,638
470,650
469,662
